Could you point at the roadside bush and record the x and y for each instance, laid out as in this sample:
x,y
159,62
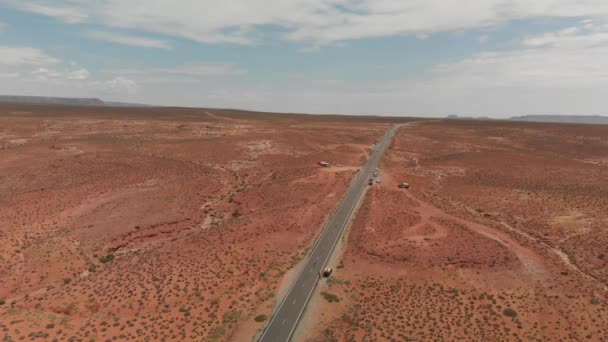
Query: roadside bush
x,y
260,318
332,298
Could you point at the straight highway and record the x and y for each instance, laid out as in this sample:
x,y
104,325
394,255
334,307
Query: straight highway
x,y
285,319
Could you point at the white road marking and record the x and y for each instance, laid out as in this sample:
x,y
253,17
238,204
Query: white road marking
x,y
294,301
283,322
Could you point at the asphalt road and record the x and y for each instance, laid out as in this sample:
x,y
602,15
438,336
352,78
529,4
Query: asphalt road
x,y
285,319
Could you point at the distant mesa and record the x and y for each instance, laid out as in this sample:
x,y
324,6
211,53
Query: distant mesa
x,y
576,119
66,101
582,119
456,117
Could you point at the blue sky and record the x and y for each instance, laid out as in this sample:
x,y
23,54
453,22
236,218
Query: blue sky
x,y
488,58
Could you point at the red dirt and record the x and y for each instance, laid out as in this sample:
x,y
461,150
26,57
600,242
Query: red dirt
x,y
500,216
203,211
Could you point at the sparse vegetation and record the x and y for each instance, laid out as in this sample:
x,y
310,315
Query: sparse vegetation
x,y
231,316
261,318
509,312
217,333
332,298
106,259
193,271
432,265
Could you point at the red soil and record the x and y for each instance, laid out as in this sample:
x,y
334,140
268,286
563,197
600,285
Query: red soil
x,y
500,216
203,212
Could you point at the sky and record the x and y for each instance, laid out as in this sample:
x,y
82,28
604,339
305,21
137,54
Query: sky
x,y
495,58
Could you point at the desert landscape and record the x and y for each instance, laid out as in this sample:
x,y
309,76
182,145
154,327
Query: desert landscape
x,y
503,235
303,171
160,224
190,224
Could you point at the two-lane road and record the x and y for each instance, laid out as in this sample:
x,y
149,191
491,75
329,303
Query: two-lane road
x,y
286,317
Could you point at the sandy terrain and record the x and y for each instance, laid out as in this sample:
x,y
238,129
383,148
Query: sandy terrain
x,y
503,236
160,224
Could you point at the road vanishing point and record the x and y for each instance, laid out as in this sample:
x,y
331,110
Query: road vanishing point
x,y
285,319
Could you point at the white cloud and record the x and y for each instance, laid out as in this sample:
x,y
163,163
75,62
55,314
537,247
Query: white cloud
x,y
45,74
69,14
317,22
563,72
117,85
31,64
79,74
573,57
192,70
557,72
204,70
125,39
9,74
16,56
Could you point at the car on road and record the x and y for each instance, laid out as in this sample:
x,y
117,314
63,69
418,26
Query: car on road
x,y
327,271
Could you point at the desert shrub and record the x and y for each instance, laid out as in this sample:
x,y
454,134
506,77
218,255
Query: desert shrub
x,y
260,318
67,280
595,301
107,258
231,316
217,332
332,298
2,301
509,312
